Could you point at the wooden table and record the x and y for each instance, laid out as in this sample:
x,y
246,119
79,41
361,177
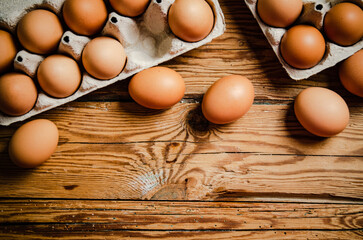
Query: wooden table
x,y
123,171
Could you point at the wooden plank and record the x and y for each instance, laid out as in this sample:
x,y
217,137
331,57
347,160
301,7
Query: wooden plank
x,y
141,171
156,215
62,232
189,220
265,129
130,172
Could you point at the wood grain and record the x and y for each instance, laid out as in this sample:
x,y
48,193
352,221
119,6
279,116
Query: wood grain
x,y
202,220
180,177
266,128
123,151
62,232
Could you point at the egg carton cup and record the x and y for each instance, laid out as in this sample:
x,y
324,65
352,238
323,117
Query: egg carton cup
x,y
313,14
147,40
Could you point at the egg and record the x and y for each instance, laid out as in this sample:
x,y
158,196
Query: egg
x,y
228,99
191,20
302,46
7,51
130,8
321,111
85,17
18,94
40,31
33,143
59,76
343,24
104,58
351,73
157,88
279,13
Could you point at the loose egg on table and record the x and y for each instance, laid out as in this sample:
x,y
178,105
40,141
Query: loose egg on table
x,y
85,17
130,8
18,94
228,99
157,88
351,73
104,58
7,51
191,20
302,46
321,111
59,76
279,13
33,143
40,31
343,24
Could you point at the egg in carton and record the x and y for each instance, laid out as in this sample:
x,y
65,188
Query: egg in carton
x,y
313,13
147,40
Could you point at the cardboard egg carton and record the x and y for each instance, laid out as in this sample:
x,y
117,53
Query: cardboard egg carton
x,y
147,39
313,14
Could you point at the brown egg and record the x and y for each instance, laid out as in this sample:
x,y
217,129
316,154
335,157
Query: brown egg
x,y
130,8
321,111
59,76
7,51
279,13
85,17
343,24
40,31
191,20
228,99
33,143
104,58
351,73
18,94
302,46
157,88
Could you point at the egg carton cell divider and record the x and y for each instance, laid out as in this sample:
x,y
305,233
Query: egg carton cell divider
x,y
313,14
147,40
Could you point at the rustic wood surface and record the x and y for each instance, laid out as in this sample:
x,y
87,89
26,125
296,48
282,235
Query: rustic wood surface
x,y
125,172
